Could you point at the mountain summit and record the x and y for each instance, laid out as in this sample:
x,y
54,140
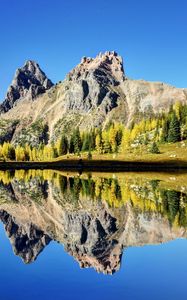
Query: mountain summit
x,y
90,83
29,81
106,68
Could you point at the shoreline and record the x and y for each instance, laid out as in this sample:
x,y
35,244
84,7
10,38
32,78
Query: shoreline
x,y
99,165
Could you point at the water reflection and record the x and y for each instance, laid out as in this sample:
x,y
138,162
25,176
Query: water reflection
x,y
95,216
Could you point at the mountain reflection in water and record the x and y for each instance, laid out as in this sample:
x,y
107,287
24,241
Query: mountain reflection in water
x,y
95,216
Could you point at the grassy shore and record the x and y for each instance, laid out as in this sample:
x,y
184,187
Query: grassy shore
x,y
172,157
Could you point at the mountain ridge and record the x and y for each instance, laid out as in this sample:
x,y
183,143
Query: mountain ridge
x,y
93,94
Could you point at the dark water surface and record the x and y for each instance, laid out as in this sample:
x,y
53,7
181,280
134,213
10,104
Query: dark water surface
x,y
93,236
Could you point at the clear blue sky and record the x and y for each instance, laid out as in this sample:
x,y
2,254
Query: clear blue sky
x,y
150,35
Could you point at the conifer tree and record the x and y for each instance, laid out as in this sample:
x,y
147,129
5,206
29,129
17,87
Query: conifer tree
x,y
112,138
183,114
62,146
92,139
106,142
154,148
77,141
20,153
8,151
177,107
126,139
86,141
98,142
174,133
165,129
71,144
146,139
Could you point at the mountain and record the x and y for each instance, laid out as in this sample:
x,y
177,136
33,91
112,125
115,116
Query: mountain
x,y
96,92
29,81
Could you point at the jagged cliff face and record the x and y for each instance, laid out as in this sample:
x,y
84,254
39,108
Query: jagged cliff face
x,y
29,82
88,85
93,93
93,232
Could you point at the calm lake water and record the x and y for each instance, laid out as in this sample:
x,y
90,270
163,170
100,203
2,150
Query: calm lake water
x,y
93,236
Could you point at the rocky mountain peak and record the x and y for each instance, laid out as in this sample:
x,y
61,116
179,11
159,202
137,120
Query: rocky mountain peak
x,y
91,83
106,68
29,81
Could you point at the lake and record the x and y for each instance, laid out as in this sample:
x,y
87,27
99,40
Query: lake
x,y
93,235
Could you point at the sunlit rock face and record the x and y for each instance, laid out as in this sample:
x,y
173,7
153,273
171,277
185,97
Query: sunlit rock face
x,y
94,218
89,84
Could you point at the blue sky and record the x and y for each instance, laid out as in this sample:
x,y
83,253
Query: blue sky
x,y
150,35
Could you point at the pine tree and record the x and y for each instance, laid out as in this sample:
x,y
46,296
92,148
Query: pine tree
x,y
154,148
33,154
98,142
165,129
71,144
20,153
92,139
174,133
8,151
126,139
184,114
112,138
146,139
77,141
62,146
86,141
11,152
135,132
177,107
106,142
48,152
184,132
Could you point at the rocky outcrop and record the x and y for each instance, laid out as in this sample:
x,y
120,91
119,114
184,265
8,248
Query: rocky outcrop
x,y
106,68
29,81
89,85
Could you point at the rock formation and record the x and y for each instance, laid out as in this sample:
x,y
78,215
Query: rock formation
x,y
29,81
88,84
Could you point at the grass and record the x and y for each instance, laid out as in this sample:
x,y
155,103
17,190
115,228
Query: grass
x,y
171,157
168,153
